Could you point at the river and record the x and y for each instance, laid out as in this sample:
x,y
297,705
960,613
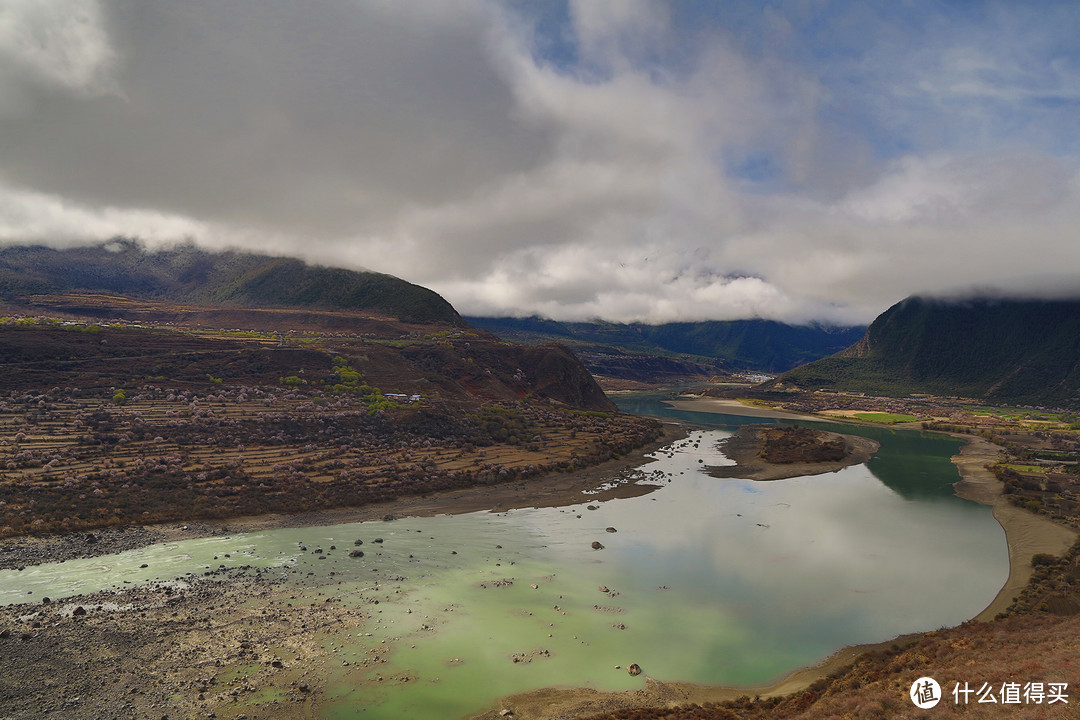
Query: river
x,y
716,581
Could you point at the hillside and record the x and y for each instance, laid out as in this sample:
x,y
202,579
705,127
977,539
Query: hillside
x,y
186,274
149,386
715,346
146,424
1020,352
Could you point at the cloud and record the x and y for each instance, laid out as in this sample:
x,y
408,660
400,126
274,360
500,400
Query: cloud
x,y
58,42
32,217
639,160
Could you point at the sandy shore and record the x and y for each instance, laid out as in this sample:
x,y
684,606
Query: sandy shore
x,y
734,407
1025,532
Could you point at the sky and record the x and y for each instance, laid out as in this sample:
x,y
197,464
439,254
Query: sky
x,y
626,160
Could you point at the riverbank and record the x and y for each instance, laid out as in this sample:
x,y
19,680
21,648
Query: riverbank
x,y
734,407
549,703
1026,534
614,478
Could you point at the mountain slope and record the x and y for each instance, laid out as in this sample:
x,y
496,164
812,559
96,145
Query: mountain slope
x,y
189,275
764,345
1009,351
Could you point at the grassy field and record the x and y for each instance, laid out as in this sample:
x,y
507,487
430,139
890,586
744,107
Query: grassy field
x,y
885,418
1061,420
1025,468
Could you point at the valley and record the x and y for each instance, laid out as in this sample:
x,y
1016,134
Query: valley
x,y
236,497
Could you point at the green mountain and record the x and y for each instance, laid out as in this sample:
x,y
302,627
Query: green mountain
x,y
1023,352
186,274
764,345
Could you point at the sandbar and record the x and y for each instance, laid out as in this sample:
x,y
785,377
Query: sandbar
x,y
745,444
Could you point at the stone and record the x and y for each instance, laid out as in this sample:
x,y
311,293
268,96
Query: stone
x,y
597,545
633,669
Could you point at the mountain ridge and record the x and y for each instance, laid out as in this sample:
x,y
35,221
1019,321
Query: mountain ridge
x,y
725,345
188,274
1016,351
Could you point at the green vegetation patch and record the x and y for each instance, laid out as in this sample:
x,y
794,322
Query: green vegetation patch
x,y
1025,468
885,418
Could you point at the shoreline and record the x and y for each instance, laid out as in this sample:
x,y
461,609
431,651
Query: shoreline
x,y
1025,534
734,407
552,490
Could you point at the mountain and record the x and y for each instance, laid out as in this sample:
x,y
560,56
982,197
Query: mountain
x,y
196,319
186,274
764,345
1024,352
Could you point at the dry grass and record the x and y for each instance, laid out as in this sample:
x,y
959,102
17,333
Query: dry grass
x,y
69,462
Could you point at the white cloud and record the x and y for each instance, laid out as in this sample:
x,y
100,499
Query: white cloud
x,y
662,173
63,42
28,216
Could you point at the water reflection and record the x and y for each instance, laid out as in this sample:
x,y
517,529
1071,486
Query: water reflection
x,y
710,580
914,464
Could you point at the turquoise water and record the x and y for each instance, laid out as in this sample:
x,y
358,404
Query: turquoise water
x,y
710,580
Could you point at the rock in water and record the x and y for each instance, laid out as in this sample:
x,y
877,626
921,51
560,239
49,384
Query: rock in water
x,y
633,669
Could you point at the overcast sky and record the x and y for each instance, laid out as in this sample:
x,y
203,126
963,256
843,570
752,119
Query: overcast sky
x,y
620,159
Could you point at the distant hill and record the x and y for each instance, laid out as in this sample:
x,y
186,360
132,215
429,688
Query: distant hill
x,y
764,345
1024,352
186,274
